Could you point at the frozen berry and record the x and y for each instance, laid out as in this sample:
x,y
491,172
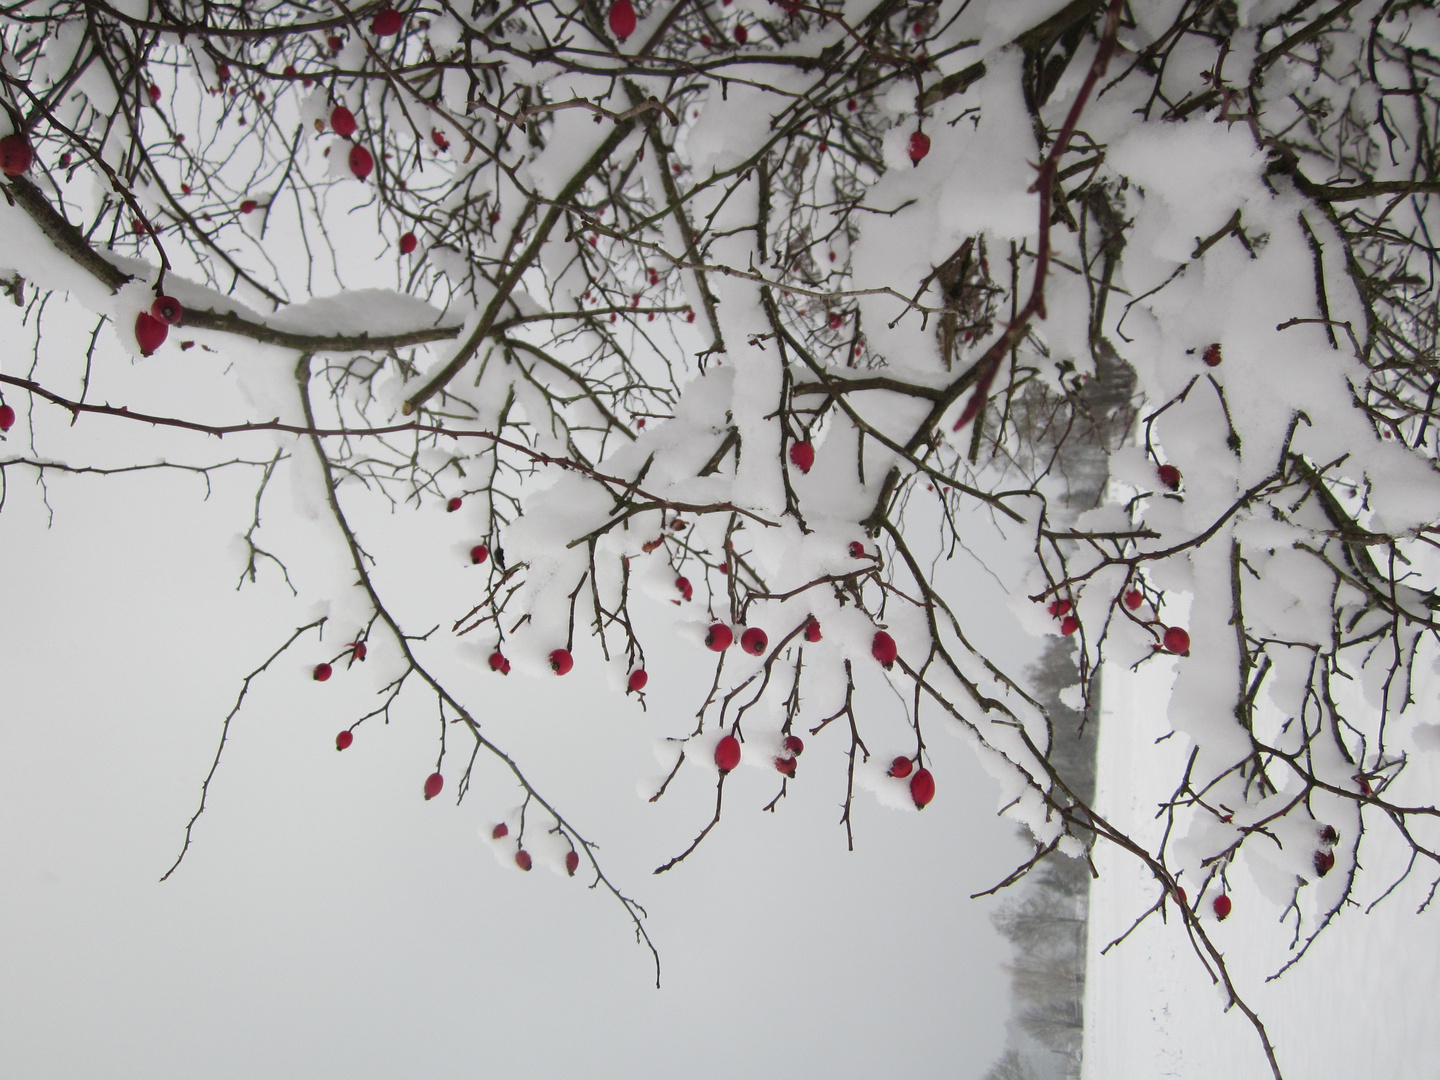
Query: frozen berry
x,y
438,138
1177,641
499,663
686,590
386,23
523,860
785,765
638,679
248,206
727,753
408,243
919,147
433,783
794,744
561,661
16,156
1069,625
900,767
150,333
1169,476
622,19
802,456
361,163
741,35
500,831
322,672
1133,599
1324,862
344,739
754,641
1059,608
1328,835
922,788
7,417
342,122
1221,905
812,629
883,648
479,553
572,862
857,549
1212,355
168,310
452,504
719,637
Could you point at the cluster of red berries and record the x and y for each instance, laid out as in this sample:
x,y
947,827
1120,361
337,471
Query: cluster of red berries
x,y
153,327
922,782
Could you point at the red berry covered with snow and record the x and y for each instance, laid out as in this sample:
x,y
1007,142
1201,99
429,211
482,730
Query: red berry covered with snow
x,y
794,745
727,753
812,629
1169,476
802,456
857,549
919,147
1211,355
754,641
433,783
1324,862
719,637
785,765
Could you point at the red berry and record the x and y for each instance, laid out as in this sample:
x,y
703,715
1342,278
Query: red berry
x,y
322,672
683,584
883,648
919,147
1212,355
852,104
222,72
857,549
479,553
361,163
7,417
785,765
248,206
922,788
638,679
754,641
344,739
1059,608
1133,599
153,91
361,651
689,316
500,831
1180,895
523,860
342,121
1069,625
741,35
719,637
1324,862
334,42
499,663
408,243
433,783
1177,641
386,23
794,744
802,456
1328,835
453,504
1221,904
439,139
289,71
836,320
727,753
900,768
812,629
168,310
572,862
653,275
622,19
706,43
150,332
561,661
1169,476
